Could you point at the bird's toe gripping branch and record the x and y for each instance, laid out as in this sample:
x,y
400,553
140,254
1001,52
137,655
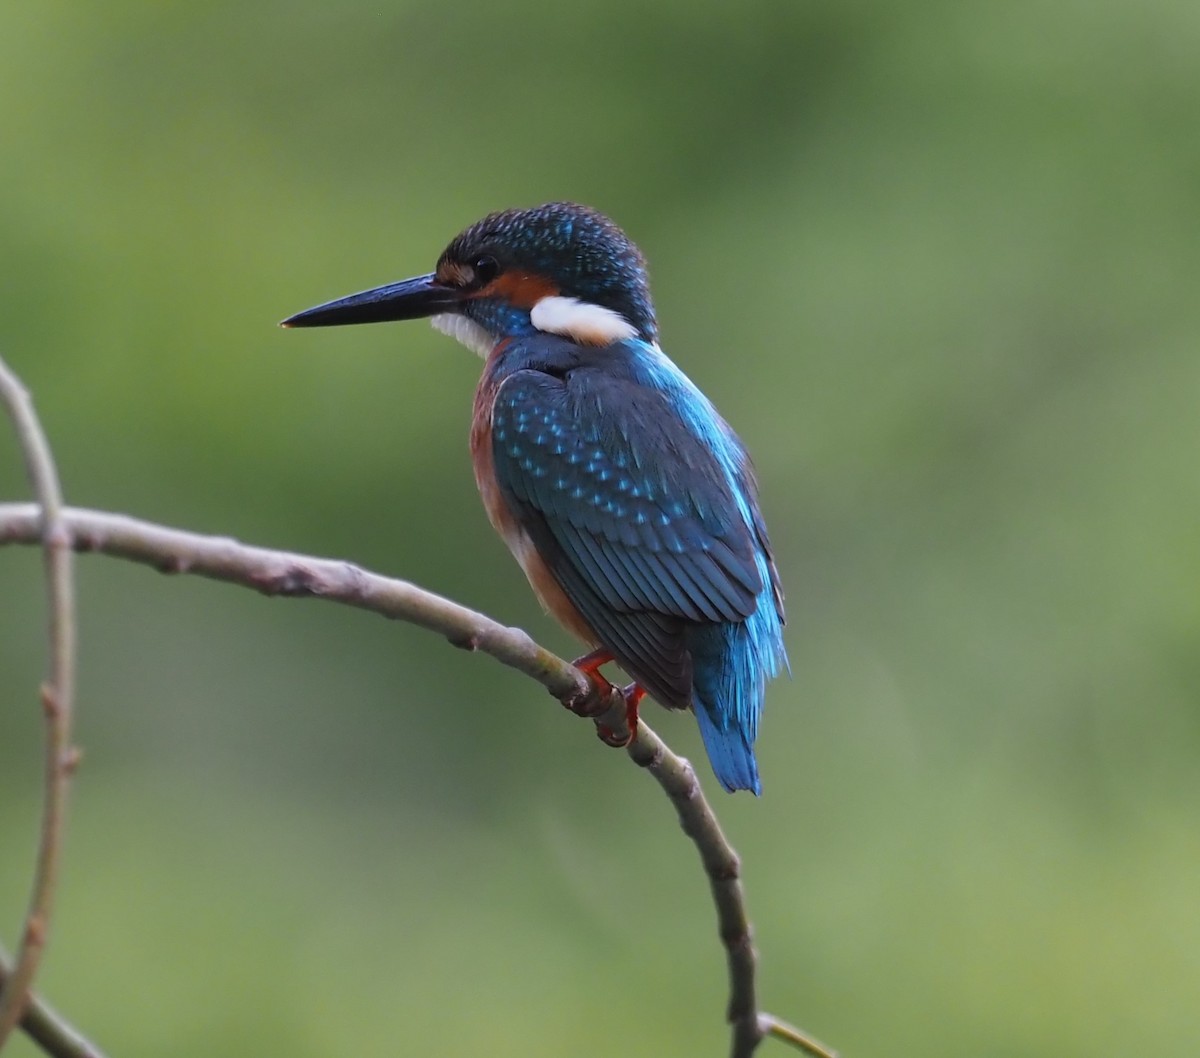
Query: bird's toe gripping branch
x,y
614,712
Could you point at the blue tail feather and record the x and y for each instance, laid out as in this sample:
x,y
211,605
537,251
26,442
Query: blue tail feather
x,y
731,664
729,751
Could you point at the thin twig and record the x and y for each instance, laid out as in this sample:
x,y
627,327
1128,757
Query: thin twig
x,y
723,867
282,573
769,1025
57,695
50,1030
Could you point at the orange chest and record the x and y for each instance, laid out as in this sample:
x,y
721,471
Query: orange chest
x,y
484,462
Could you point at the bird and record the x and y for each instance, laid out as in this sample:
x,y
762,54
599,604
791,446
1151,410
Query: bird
x,y
629,502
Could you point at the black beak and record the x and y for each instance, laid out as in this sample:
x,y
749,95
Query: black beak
x,y
410,299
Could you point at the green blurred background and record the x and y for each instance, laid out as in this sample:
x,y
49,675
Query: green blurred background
x,y
937,262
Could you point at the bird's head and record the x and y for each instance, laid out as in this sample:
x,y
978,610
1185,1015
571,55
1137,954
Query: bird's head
x,y
560,268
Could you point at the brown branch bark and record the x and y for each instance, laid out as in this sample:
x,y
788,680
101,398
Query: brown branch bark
x,y
50,1030
281,573
57,698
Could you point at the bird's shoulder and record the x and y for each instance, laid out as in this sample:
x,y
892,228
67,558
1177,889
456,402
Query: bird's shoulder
x,y
628,385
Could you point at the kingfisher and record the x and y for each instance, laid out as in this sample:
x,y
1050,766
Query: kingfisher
x,y
631,505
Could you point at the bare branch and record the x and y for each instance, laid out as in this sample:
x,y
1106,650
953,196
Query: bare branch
x,y
54,1034
282,573
57,696
723,867
50,1030
769,1025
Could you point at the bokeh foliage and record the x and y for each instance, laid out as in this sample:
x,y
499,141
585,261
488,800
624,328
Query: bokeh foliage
x,y
937,262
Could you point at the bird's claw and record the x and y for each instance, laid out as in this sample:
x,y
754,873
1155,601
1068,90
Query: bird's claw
x,y
595,702
633,695
590,665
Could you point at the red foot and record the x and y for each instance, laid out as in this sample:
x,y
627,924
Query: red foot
x,y
633,694
591,663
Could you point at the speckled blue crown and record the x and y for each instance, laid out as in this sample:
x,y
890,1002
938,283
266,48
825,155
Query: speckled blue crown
x,y
583,252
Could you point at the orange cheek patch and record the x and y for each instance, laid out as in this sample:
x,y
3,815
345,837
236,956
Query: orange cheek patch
x,y
520,289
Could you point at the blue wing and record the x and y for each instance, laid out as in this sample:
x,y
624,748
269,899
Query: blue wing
x,y
632,513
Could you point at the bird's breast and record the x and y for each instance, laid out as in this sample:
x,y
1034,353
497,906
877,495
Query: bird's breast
x,y
484,463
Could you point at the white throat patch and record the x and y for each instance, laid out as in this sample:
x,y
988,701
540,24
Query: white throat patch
x,y
464,330
587,323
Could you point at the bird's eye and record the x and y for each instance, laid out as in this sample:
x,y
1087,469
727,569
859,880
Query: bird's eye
x,y
486,269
